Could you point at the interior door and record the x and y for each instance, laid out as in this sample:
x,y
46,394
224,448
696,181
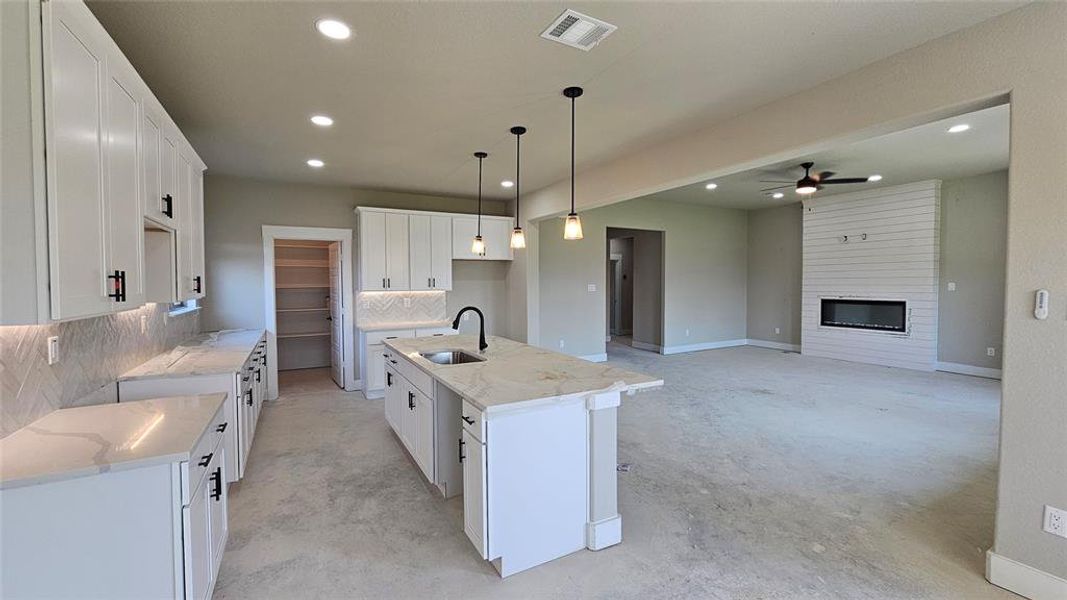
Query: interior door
x,y
441,252
337,320
74,52
421,248
372,251
398,273
125,234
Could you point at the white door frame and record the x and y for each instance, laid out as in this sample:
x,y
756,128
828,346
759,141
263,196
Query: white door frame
x,y
328,234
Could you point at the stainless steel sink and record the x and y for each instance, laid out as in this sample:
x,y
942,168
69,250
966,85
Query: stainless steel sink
x,y
452,357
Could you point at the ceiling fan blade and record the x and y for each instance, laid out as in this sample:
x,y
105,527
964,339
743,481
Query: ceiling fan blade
x,y
777,180
825,175
778,187
843,180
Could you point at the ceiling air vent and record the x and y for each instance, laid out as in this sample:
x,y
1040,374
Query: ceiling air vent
x,y
577,30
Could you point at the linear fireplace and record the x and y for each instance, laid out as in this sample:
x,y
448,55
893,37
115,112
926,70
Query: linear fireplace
x,y
876,315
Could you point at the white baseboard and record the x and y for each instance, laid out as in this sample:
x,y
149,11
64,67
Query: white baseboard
x,y
1023,579
357,385
963,369
646,346
774,345
603,356
702,346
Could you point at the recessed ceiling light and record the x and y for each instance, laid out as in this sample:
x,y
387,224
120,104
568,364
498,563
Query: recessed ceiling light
x,y
959,128
316,163
507,183
322,120
711,186
874,178
778,195
333,29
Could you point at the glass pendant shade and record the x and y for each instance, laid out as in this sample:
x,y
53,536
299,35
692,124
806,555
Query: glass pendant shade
x,y
478,246
572,229
518,238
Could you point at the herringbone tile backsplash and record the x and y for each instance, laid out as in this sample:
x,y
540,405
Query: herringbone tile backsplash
x,y
374,308
92,354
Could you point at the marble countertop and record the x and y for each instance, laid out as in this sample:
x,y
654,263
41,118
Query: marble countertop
x,y
206,354
514,372
404,325
75,442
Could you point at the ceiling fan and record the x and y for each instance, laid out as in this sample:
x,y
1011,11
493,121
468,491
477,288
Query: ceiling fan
x,y
809,184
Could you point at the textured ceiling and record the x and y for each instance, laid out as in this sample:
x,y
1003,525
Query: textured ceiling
x,y
423,85
916,154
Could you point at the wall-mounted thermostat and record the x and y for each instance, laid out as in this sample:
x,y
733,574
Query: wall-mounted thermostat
x,y
1041,304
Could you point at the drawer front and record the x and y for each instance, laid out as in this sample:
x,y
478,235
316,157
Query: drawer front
x,y
473,421
203,457
435,332
417,377
376,337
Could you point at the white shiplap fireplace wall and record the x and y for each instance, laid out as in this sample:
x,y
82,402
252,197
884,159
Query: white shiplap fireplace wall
x,y
881,244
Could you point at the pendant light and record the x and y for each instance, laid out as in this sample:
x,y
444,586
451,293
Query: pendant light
x,y
518,238
572,229
478,246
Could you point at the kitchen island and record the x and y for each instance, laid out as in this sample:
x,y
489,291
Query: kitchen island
x,y
527,435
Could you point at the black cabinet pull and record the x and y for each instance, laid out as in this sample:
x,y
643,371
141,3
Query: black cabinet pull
x,y
197,285
205,460
392,361
383,282
467,421
169,202
389,379
461,455
249,394
258,373
216,478
119,286
221,427
433,282
411,400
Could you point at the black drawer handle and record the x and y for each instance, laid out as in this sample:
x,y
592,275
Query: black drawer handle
x,y
169,210
198,284
221,427
411,400
389,379
216,478
258,373
205,460
249,394
467,420
461,455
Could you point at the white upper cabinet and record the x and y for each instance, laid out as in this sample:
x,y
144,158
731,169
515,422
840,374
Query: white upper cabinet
x,y
496,233
111,159
430,252
383,251
397,261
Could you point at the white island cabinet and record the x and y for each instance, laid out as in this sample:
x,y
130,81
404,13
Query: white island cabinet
x,y
116,501
528,436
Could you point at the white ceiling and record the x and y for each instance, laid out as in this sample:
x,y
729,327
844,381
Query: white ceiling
x,y
917,154
421,86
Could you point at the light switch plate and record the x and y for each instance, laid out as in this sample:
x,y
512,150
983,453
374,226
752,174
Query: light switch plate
x,y
952,286
53,349
591,287
990,351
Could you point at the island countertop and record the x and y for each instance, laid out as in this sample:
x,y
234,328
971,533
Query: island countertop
x,y
74,442
211,353
513,372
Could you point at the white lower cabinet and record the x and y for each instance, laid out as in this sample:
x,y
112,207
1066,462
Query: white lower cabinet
x,y
472,455
424,433
204,529
374,356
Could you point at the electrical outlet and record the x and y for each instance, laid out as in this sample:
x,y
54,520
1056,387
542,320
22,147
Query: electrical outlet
x,y
561,343
466,316
990,351
777,330
1055,521
952,286
53,349
591,287
407,302
144,324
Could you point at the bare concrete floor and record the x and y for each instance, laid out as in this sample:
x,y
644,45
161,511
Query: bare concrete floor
x,y
756,474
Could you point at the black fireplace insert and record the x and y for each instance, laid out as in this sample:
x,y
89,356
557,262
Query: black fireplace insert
x,y
875,315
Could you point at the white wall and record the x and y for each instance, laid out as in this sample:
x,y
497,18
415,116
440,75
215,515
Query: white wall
x,y
898,260
1018,55
774,255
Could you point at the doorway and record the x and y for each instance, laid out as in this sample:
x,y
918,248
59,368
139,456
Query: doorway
x,y
308,303
635,288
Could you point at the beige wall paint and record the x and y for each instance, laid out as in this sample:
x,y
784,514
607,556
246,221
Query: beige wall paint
x,y
775,237
481,283
974,215
703,271
235,210
1019,55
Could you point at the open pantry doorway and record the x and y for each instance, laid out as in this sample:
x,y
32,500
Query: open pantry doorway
x,y
308,302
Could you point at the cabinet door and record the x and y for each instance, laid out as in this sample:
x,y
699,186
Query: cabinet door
x,y
463,231
74,62
372,271
196,541
186,236
497,235
374,378
168,173
424,429
441,252
421,252
392,398
156,205
408,422
474,489
397,262
217,500
196,219
125,232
